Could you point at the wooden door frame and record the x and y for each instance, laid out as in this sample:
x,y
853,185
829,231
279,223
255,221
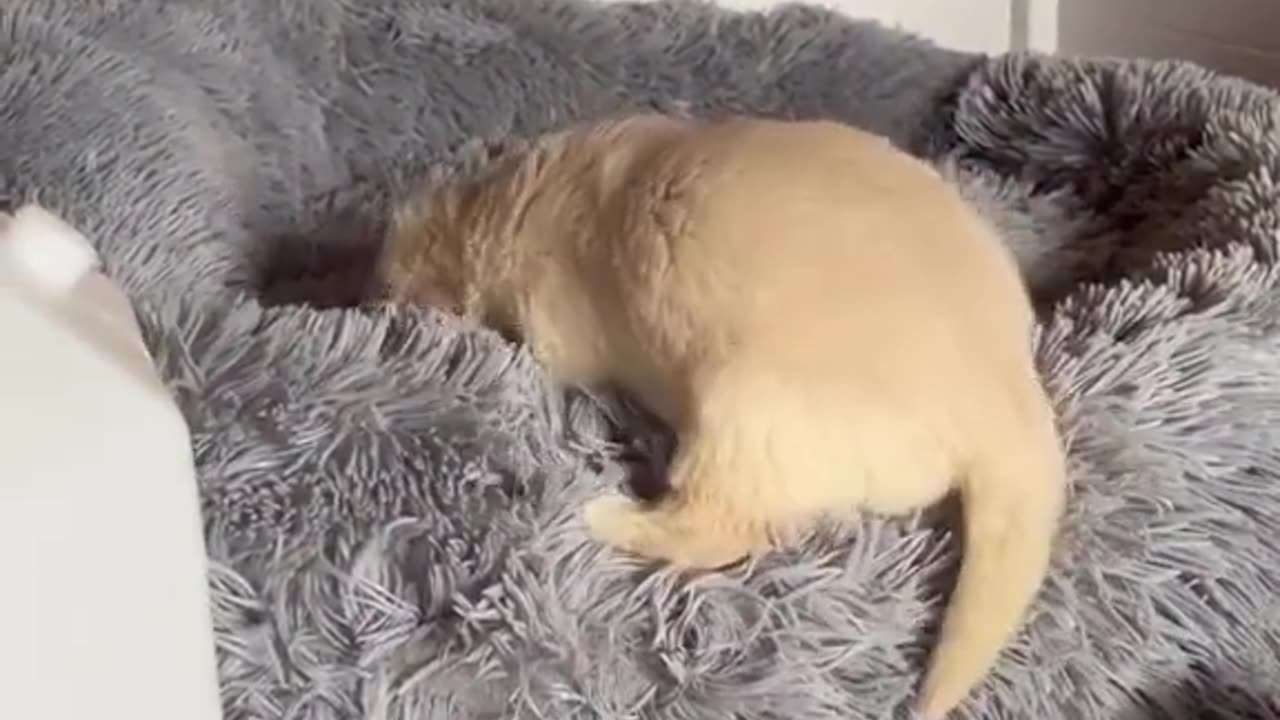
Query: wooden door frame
x,y
1033,25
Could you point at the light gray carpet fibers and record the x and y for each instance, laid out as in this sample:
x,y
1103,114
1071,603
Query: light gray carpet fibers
x,y
391,500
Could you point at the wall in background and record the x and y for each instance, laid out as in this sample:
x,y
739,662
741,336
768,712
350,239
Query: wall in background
x,y
1234,36
976,25
980,25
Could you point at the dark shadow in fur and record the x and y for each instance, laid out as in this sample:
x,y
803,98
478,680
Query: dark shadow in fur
x,y
332,263
1205,693
644,446
946,518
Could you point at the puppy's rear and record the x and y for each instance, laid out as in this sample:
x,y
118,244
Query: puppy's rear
x,y
852,334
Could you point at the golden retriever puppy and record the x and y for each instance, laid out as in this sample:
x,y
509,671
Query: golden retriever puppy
x,y
822,319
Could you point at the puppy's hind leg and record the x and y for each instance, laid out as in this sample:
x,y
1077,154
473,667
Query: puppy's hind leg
x,y
706,521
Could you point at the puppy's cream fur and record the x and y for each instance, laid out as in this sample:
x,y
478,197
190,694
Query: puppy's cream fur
x,y
822,319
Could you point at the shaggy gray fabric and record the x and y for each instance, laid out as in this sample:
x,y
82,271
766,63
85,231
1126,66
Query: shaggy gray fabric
x,y
391,501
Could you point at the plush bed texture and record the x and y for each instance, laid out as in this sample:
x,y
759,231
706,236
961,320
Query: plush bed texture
x,y
391,499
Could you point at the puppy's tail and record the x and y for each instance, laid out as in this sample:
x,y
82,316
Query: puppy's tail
x,y
1013,497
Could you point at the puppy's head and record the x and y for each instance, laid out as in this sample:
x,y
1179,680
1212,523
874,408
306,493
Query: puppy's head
x,y
424,258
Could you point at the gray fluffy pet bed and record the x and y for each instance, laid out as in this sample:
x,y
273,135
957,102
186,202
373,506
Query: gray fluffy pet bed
x,y
391,501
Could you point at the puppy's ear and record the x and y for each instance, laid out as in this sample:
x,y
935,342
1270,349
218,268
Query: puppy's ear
x,y
458,202
403,228
471,306
391,274
391,264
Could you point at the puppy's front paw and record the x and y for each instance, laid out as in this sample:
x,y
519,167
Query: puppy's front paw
x,y
611,519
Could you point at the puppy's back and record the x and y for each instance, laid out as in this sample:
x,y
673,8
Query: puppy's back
x,y
813,238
